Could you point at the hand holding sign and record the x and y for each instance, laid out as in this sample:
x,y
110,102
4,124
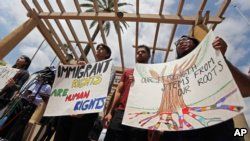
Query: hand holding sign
x,y
220,44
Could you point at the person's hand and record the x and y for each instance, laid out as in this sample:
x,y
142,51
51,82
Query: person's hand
x,y
31,98
220,44
44,96
81,63
106,120
131,78
11,82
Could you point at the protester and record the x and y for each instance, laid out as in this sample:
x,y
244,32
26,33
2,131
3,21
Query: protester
x,y
21,108
15,83
77,127
116,131
47,128
224,130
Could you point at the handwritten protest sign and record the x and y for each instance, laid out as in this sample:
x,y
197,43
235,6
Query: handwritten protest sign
x,y
79,89
193,92
5,74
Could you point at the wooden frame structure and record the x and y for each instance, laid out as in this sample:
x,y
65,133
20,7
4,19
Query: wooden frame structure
x,y
41,19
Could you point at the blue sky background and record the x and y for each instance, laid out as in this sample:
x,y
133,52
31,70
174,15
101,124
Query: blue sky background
x,y
235,29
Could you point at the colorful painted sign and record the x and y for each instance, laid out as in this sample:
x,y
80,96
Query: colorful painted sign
x,y
79,89
193,92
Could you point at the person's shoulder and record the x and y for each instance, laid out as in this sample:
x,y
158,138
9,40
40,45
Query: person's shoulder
x,y
47,86
129,70
24,72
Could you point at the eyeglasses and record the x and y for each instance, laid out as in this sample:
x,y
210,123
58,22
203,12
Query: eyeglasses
x,y
181,40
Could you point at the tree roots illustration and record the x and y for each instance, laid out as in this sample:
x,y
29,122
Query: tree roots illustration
x,y
166,118
172,105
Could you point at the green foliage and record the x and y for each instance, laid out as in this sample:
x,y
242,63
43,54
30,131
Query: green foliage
x,y
2,63
105,6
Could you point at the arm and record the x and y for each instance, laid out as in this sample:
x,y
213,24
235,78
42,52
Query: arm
x,y
242,80
45,96
108,117
18,80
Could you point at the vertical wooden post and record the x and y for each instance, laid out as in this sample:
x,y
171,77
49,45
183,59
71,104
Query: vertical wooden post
x,y
10,41
240,122
200,31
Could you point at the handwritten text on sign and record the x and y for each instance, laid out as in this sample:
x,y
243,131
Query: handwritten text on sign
x,y
193,92
79,89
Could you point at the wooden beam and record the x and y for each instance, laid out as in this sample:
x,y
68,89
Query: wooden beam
x,y
137,7
137,27
51,29
206,17
157,32
82,42
136,38
85,27
26,5
221,11
170,41
200,31
199,13
47,35
241,122
11,40
157,48
100,23
223,8
118,31
71,28
129,17
179,10
155,41
116,6
203,5
62,30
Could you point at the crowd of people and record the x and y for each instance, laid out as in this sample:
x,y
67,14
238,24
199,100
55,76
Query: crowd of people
x,y
18,104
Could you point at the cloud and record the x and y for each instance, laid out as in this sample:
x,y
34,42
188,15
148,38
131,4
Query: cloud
x,y
18,13
244,5
3,21
219,2
41,60
235,32
245,68
189,7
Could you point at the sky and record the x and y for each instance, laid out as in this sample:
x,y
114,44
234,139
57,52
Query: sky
x,y
235,30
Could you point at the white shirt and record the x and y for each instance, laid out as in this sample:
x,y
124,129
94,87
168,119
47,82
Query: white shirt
x,y
45,90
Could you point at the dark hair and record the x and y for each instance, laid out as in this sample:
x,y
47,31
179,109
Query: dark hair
x,y
27,60
48,74
146,48
69,57
195,41
107,48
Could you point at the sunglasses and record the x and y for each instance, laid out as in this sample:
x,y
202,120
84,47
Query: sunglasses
x,y
184,39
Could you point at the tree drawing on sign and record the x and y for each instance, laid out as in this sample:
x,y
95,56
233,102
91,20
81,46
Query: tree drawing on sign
x,y
173,105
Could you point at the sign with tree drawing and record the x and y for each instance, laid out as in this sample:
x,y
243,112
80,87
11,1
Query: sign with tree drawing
x,y
193,92
79,89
